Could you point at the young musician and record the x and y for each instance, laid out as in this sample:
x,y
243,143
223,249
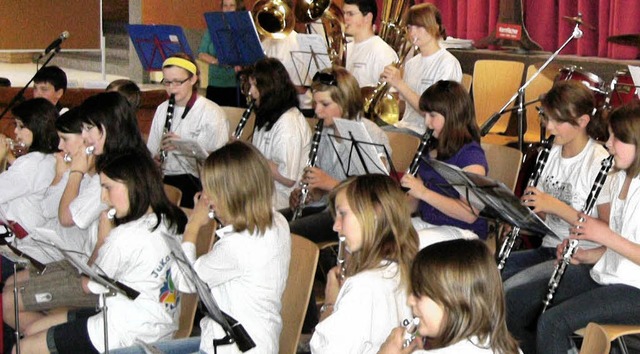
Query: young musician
x,y
433,64
570,115
281,132
248,266
336,95
451,115
603,283
456,293
368,54
134,254
192,118
371,213
128,89
222,87
50,83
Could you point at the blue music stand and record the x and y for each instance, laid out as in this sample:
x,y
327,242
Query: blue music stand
x,y
155,43
235,38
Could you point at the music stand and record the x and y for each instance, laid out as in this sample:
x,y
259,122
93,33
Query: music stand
x,y
363,157
155,43
311,58
234,37
235,331
491,197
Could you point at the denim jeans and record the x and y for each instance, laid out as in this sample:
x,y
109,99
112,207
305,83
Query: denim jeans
x,y
521,260
577,301
176,346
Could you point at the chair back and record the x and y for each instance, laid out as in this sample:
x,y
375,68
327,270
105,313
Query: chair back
x,y
539,86
595,341
494,83
234,114
302,268
504,163
403,149
173,193
467,80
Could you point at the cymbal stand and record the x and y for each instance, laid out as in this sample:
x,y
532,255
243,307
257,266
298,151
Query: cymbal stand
x,y
519,95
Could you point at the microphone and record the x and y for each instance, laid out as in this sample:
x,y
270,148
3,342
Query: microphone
x,y
56,43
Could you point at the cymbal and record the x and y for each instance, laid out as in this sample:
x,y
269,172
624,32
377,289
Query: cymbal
x,y
580,21
626,39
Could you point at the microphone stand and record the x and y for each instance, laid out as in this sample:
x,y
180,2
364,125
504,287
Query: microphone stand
x,y
519,95
18,95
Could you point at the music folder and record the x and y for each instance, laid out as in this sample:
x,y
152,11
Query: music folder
x,y
491,197
155,43
235,38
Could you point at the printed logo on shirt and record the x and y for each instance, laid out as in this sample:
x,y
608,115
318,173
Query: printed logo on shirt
x,y
562,191
169,296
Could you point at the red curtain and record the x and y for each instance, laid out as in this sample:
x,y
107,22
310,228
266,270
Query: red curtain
x,y
475,19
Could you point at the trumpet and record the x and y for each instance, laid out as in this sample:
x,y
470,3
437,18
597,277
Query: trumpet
x,y
167,124
313,157
410,330
341,262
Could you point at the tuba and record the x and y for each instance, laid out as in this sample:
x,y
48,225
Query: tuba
x,y
273,18
380,105
307,11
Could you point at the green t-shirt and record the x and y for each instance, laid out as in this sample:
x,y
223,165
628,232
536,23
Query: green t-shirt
x,y
219,75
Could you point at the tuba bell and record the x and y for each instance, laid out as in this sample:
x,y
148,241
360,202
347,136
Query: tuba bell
x,y
273,18
308,11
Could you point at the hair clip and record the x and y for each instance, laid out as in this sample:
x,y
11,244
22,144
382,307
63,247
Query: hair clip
x,y
111,214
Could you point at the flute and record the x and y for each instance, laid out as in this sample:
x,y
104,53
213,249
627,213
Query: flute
x,y
410,330
571,247
167,124
311,162
510,240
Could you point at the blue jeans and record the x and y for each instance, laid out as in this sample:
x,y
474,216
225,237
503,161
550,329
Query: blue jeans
x,y
176,346
577,301
521,260
537,272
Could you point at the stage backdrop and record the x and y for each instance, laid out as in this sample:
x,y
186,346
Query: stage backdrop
x,y
475,19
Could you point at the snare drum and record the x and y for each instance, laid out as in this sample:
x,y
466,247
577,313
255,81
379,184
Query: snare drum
x,y
622,90
592,81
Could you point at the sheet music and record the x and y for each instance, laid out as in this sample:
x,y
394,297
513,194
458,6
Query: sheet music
x,y
372,159
634,71
311,57
190,148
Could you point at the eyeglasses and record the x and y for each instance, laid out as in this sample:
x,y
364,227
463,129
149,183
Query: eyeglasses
x,y
325,78
174,83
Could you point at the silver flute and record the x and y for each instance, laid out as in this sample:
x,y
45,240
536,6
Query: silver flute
x,y
341,258
311,162
571,247
243,120
410,330
510,240
167,124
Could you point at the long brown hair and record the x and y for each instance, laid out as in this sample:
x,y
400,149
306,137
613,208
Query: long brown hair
x,y
381,209
625,125
462,277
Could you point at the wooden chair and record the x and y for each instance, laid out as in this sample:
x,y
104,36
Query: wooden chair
x,y
467,80
598,338
233,115
494,83
539,86
304,259
190,301
504,163
403,149
173,193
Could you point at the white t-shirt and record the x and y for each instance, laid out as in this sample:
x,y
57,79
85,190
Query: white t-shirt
x,y
22,188
287,144
467,346
138,257
247,274
420,72
570,180
366,60
370,304
206,123
612,268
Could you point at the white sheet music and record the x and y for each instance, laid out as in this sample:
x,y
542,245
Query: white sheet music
x,y
634,71
371,158
310,57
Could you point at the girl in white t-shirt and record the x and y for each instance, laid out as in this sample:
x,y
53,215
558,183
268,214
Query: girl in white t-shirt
x,y
372,216
134,254
456,294
603,283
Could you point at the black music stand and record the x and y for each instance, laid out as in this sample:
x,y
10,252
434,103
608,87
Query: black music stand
x,y
363,155
155,43
491,197
311,58
235,38
235,332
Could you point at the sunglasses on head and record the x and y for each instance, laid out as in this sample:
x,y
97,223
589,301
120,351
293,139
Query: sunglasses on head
x,y
325,78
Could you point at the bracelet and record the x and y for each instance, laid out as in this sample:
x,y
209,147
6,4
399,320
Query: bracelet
x,y
325,307
77,171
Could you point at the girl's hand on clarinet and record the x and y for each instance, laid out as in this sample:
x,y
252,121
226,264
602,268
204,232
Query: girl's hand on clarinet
x,y
590,229
394,342
333,285
414,184
200,215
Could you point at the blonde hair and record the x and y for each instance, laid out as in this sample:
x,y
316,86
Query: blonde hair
x,y
462,277
238,179
381,209
345,92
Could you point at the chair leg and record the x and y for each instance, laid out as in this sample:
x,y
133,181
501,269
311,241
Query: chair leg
x,y
622,345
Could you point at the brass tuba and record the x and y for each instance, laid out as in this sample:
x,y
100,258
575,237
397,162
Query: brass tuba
x,y
273,18
307,11
380,105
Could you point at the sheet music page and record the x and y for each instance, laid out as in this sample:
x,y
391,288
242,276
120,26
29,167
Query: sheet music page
x,y
634,71
310,57
370,155
190,147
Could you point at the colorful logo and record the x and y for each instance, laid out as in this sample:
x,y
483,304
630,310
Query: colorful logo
x,y
169,296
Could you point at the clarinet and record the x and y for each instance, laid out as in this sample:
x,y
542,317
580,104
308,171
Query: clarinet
x,y
571,247
341,258
425,141
541,161
243,121
313,156
167,124
410,330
